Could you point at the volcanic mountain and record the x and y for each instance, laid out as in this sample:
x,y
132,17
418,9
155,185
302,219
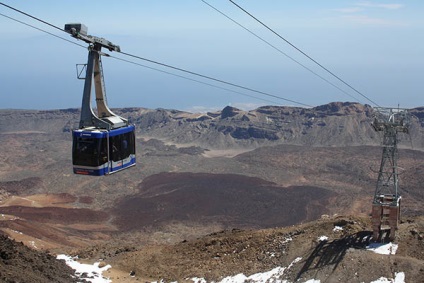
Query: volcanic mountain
x,y
198,174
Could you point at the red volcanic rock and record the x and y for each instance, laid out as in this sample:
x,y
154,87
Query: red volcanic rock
x,y
56,214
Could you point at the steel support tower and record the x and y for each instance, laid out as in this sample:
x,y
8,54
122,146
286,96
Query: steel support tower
x,y
386,202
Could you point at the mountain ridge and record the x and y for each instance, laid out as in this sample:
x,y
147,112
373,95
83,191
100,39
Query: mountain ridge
x,y
333,124
201,173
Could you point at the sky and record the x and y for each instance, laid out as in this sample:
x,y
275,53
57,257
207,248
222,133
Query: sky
x,y
374,46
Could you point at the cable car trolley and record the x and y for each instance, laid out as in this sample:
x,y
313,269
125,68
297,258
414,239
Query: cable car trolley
x,y
104,142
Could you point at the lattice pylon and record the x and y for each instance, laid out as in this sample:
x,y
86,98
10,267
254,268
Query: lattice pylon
x,y
386,203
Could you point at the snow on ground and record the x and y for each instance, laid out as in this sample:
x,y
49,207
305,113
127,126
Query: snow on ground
x,y
89,272
385,249
287,240
323,238
399,278
268,276
337,229
93,273
274,274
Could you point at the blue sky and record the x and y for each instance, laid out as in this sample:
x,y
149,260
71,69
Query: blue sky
x,y
375,46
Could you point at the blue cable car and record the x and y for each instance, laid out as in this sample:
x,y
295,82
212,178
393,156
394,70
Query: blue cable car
x,y
105,142
101,152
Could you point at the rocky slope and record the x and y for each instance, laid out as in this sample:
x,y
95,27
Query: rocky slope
x,y
198,174
19,263
334,124
340,256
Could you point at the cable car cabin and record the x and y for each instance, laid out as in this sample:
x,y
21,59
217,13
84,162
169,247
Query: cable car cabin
x,y
101,152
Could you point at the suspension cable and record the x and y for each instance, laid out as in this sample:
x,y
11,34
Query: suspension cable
x,y
28,15
213,79
156,62
191,79
280,51
42,30
299,50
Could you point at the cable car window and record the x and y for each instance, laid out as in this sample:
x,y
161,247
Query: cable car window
x,y
103,151
86,151
115,148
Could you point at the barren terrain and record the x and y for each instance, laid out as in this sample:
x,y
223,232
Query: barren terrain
x,y
198,175
341,258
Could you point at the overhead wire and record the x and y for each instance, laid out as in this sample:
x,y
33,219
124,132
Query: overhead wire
x,y
214,79
302,52
148,67
34,27
191,79
31,16
165,65
207,77
279,50
141,65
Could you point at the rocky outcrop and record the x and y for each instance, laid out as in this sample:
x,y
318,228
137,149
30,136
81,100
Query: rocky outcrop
x,y
333,124
338,123
229,112
19,263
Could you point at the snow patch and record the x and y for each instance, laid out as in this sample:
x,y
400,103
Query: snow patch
x,y
268,276
287,240
399,278
337,229
258,277
323,239
385,249
32,243
90,272
198,280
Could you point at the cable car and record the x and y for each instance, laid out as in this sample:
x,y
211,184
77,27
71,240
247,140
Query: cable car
x,y
101,152
104,143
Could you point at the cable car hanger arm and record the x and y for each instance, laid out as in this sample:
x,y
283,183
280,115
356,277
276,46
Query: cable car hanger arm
x,y
79,31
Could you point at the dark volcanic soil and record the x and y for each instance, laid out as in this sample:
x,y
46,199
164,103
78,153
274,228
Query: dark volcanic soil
x,y
55,214
22,186
19,263
234,201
